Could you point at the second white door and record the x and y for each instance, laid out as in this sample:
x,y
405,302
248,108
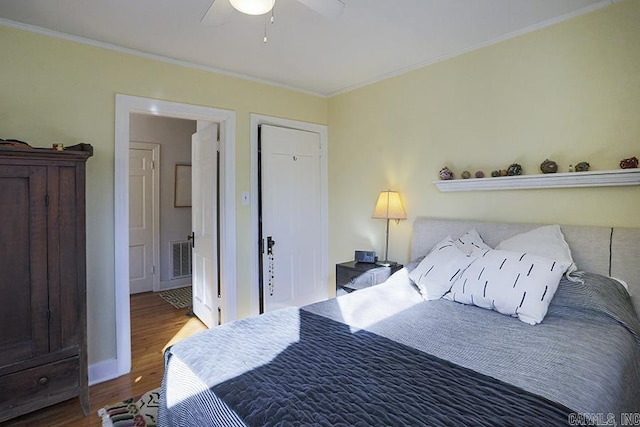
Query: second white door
x,y
143,217
291,217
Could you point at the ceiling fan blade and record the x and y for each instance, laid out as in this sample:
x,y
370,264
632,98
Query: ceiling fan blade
x,y
217,13
328,8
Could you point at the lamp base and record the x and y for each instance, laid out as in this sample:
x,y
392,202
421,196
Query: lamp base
x,y
386,263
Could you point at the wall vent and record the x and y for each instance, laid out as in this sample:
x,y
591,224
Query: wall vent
x,y
181,259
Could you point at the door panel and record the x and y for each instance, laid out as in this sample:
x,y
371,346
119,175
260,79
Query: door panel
x,y
141,218
23,234
204,206
291,216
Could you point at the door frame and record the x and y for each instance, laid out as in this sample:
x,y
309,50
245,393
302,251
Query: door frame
x,y
125,105
155,152
256,121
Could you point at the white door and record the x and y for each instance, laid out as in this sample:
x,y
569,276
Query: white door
x,y
143,207
291,217
204,206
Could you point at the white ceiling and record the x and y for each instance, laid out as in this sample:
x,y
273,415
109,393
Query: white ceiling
x,y
370,41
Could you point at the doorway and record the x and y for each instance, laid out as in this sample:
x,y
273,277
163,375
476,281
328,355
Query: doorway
x,y
170,215
125,105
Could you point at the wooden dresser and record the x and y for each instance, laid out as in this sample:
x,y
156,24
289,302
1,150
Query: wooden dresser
x,y
43,357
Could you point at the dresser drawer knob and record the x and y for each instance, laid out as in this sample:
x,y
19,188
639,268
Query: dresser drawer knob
x,y
43,381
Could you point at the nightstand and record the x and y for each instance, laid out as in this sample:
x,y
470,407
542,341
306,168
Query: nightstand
x,y
351,276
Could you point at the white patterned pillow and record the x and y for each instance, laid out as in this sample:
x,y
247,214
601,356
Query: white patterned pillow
x,y
470,241
512,283
547,241
437,272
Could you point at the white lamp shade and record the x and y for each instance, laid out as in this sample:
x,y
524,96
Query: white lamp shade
x,y
252,7
389,206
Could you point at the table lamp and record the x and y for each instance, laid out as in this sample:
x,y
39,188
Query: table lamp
x,y
389,206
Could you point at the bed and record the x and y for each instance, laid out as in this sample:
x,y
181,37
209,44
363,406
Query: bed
x,y
399,354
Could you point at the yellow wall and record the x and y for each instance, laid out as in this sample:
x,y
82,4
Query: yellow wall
x,y
569,92
56,90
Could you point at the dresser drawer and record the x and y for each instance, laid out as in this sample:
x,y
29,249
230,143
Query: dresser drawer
x,y
38,387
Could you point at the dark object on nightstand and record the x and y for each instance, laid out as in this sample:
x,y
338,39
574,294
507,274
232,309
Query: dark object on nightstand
x,y
351,276
368,257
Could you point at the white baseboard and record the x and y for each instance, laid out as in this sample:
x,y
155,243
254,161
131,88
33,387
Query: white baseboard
x,y
103,371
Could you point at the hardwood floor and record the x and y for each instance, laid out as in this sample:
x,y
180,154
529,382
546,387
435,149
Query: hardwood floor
x,y
155,324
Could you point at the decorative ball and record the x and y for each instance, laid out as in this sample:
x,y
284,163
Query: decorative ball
x,y
582,167
479,174
446,174
549,166
495,173
465,175
503,172
514,169
630,163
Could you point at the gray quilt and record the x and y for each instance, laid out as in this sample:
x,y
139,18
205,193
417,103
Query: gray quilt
x,y
584,357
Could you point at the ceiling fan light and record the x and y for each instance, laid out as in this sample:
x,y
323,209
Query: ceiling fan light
x,y
253,7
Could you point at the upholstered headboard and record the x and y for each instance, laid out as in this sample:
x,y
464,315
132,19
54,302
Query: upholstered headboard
x,y
608,251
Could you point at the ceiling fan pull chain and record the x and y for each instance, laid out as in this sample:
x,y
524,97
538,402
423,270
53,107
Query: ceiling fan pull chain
x,y
264,40
272,20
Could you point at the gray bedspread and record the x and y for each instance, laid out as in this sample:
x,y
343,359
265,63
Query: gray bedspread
x,y
585,355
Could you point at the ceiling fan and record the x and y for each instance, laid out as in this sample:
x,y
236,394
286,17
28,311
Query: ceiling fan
x,y
220,9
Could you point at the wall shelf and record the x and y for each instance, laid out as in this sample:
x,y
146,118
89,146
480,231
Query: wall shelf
x,y
553,180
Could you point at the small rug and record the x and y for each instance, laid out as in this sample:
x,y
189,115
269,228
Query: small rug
x,y
179,298
131,412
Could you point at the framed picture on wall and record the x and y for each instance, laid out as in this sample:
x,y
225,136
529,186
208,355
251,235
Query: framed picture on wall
x,y
182,194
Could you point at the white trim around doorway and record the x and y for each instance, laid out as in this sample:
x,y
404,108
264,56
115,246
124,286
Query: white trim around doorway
x,y
126,105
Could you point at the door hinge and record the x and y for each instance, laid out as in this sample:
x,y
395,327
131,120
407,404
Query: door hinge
x,y
218,145
152,164
153,269
46,200
219,315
